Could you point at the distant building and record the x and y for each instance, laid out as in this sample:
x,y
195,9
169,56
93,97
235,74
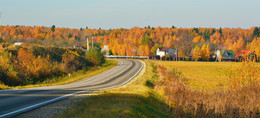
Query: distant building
x,y
105,48
224,55
18,43
79,46
246,54
162,52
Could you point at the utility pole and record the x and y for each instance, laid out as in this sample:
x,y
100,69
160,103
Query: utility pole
x,y
87,45
92,42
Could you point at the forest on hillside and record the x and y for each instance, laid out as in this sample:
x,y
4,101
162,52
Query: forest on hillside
x,y
32,64
138,41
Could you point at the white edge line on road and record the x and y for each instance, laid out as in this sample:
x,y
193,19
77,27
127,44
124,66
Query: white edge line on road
x,y
127,80
42,103
55,99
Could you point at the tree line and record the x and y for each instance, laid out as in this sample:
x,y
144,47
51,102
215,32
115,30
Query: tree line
x,y
140,41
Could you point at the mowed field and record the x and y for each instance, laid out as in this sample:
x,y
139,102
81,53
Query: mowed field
x,y
203,75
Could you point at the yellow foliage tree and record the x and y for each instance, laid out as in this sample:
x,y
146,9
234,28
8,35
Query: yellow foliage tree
x,y
198,39
196,53
205,52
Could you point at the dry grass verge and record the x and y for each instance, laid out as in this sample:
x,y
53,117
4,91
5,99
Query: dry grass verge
x,y
242,101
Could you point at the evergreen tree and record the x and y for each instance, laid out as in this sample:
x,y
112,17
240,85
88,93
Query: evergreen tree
x,y
256,32
195,30
206,34
213,32
53,28
70,35
110,52
220,30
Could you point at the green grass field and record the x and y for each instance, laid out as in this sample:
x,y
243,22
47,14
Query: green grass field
x,y
202,75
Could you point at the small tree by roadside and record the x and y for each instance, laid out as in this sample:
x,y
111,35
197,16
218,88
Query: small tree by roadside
x,y
95,56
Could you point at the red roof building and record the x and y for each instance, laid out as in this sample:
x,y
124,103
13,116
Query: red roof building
x,y
242,54
246,54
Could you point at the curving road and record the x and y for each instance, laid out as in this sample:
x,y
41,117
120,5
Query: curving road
x,y
14,102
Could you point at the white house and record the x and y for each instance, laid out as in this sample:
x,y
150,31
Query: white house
x,y
105,48
17,43
169,51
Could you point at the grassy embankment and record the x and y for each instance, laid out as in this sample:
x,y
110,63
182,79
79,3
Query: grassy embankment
x,y
137,99
80,74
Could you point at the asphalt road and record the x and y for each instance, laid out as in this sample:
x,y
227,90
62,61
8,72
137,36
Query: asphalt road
x,y
14,102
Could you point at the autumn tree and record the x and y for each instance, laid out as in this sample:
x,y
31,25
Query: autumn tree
x,y
255,46
196,53
147,41
198,39
8,74
155,47
33,68
71,61
205,52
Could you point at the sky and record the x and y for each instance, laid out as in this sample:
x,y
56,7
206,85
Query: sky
x,y
108,14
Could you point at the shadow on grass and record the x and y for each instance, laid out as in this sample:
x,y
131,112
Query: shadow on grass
x,y
130,105
119,105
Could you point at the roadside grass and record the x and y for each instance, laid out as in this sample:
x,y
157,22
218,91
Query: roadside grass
x,y
137,99
240,99
202,75
3,86
68,79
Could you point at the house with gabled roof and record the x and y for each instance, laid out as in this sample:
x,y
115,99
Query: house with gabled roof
x,y
225,55
170,52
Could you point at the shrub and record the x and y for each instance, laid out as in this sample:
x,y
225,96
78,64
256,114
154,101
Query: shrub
x,y
71,62
248,74
8,74
34,69
95,56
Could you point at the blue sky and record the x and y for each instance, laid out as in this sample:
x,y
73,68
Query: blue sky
x,y
130,13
